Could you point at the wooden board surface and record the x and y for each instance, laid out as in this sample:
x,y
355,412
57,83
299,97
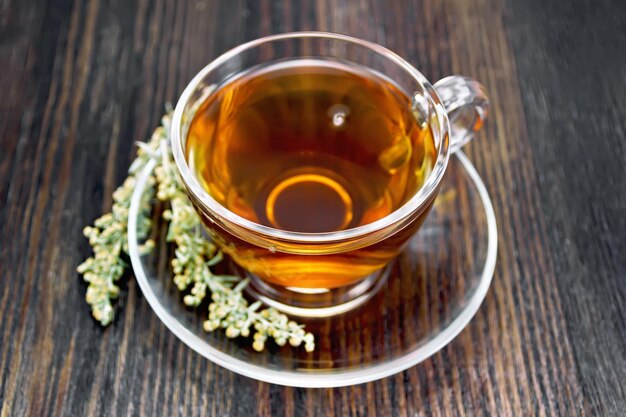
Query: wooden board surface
x,y
82,80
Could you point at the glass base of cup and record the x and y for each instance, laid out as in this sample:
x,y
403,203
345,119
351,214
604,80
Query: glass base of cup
x,y
316,302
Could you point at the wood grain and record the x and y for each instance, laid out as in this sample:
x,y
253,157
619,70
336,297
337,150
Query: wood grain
x,y
83,79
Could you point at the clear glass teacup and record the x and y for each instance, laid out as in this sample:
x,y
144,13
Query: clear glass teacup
x,y
323,272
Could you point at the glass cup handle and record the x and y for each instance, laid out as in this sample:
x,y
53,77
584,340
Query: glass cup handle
x,y
467,105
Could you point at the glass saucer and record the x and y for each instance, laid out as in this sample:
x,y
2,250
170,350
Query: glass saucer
x,y
433,290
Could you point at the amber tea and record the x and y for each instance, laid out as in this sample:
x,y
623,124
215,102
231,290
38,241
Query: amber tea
x,y
310,146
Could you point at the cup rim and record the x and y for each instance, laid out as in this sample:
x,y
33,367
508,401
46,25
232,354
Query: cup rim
x,y
422,195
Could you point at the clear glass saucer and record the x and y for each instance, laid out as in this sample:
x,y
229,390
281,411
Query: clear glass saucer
x,y
433,290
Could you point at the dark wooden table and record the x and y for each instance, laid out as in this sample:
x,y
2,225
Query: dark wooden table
x,y
81,80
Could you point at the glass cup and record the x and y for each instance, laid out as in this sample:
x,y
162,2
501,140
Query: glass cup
x,y
321,274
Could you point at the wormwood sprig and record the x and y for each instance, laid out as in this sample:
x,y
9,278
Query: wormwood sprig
x,y
194,256
108,236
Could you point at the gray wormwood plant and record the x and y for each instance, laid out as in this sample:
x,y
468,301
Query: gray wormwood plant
x,y
194,255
